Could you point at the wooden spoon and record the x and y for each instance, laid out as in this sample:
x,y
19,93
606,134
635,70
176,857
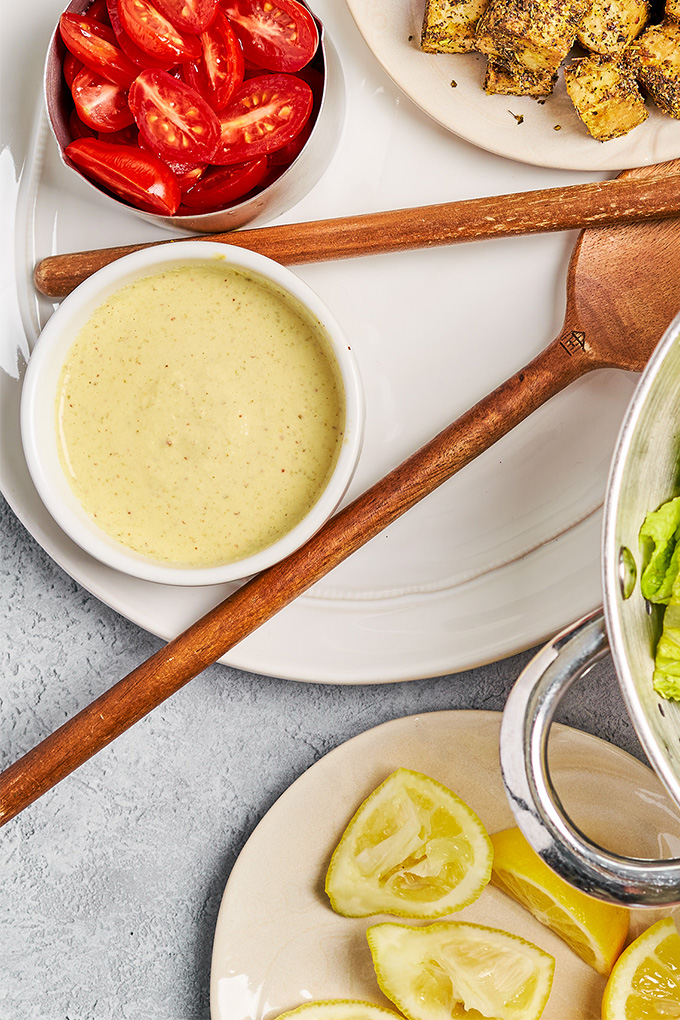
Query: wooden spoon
x,y
623,290
529,212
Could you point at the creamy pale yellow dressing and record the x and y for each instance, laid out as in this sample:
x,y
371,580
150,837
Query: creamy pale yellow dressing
x,y
200,414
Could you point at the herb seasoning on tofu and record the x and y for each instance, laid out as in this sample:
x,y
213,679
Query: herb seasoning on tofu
x,y
526,42
200,412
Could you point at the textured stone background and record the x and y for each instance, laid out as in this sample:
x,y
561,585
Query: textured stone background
x,y
111,883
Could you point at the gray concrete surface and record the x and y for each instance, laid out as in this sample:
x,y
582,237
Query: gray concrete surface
x,y
111,883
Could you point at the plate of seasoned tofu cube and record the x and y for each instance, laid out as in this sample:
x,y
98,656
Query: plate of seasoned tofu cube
x,y
572,84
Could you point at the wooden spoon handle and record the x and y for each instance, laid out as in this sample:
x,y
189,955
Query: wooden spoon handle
x,y
584,205
258,600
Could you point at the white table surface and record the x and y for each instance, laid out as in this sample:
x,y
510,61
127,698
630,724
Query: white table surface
x,y
111,882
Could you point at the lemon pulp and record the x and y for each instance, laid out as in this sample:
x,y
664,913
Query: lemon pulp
x,y
645,981
453,970
597,931
413,849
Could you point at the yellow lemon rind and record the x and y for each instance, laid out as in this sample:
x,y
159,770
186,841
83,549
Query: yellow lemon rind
x,y
545,966
603,927
623,974
465,892
340,1009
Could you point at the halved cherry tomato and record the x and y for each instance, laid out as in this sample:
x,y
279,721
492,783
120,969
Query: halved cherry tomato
x,y
219,72
138,177
126,136
131,49
192,16
176,122
278,35
188,175
78,129
251,70
101,104
94,44
285,156
224,184
273,173
265,114
291,150
71,67
98,11
154,34
315,80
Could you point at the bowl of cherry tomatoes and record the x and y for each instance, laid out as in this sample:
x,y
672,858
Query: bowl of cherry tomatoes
x,y
200,114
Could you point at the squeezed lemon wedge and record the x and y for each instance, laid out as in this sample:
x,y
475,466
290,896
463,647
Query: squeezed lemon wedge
x,y
645,981
453,970
597,931
340,1009
413,849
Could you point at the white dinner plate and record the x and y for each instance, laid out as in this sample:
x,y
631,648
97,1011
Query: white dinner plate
x,y
278,943
546,133
500,557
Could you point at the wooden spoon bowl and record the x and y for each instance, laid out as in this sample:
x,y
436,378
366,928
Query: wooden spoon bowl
x,y
623,288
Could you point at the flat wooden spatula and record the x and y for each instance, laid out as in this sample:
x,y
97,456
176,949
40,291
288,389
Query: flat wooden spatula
x,y
623,290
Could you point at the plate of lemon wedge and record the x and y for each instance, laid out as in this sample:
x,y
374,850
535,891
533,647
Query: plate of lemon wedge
x,y
390,883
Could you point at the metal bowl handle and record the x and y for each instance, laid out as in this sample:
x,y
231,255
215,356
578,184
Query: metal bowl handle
x,y
534,801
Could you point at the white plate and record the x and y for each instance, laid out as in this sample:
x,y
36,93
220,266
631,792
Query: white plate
x,y
392,30
279,944
500,557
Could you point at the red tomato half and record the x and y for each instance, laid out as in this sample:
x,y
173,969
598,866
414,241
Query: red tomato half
x,y
94,44
187,175
220,71
78,129
222,185
175,121
97,10
279,35
154,34
71,67
291,150
192,16
131,49
101,104
136,176
265,114
126,136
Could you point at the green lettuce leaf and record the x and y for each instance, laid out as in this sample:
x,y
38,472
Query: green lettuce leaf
x,y
667,661
660,544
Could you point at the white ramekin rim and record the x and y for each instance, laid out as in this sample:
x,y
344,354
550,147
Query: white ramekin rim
x,y
38,421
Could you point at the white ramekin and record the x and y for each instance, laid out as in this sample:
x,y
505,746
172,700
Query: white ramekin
x,y
39,420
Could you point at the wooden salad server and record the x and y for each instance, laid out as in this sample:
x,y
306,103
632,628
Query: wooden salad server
x,y
623,290
622,200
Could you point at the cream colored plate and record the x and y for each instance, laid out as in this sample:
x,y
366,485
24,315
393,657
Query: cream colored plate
x,y
392,31
498,559
279,944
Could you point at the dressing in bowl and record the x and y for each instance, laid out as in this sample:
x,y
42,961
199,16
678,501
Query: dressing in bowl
x,y
191,413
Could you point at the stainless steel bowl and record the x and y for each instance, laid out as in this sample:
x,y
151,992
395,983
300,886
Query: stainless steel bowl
x,y
283,193
644,473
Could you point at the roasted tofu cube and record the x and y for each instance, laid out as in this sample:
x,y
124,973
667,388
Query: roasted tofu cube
x,y
449,25
673,9
606,96
611,25
654,59
502,80
536,34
